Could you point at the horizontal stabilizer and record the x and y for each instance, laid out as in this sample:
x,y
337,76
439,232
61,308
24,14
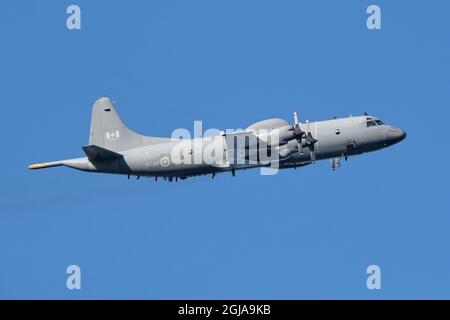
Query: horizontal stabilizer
x,y
96,153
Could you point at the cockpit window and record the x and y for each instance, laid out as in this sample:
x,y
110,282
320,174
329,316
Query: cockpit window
x,y
379,122
371,123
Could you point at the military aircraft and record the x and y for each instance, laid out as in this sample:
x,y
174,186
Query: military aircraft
x,y
272,143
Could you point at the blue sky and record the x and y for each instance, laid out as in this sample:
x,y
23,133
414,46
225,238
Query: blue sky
x,y
306,233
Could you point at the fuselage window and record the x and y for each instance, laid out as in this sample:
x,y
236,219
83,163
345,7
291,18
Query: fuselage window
x,y
371,123
379,122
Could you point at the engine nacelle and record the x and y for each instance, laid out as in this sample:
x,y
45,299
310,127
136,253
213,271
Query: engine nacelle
x,y
273,132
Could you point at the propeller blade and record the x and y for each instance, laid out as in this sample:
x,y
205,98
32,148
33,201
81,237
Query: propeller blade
x,y
310,139
310,142
313,155
298,133
299,146
295,120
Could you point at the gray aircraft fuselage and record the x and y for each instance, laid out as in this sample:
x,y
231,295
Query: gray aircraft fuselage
x,y
113,148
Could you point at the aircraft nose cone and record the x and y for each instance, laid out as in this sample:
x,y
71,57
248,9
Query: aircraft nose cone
x,y
396,135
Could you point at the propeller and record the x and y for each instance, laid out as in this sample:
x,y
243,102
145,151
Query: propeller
x,y
309,140
298,134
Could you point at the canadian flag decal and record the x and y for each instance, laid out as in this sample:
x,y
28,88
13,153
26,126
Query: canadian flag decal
x,y
112,135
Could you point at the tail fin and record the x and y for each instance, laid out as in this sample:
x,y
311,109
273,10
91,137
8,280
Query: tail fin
x,y
108,130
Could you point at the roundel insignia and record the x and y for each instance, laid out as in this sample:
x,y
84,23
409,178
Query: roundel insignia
x,y
165,161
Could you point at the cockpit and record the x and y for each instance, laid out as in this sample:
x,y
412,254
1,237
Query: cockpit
x,y
372,122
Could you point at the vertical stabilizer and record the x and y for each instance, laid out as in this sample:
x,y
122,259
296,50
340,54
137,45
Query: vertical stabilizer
x,y
108,130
